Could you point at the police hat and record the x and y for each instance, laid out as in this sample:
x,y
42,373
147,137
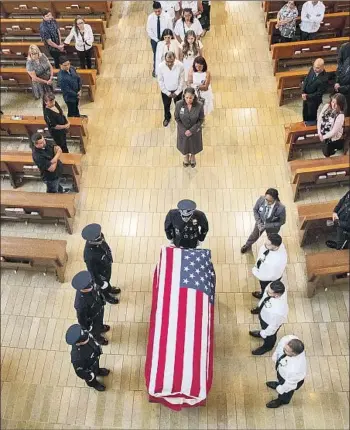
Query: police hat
x,y
81,280
186,205
73,334
91,232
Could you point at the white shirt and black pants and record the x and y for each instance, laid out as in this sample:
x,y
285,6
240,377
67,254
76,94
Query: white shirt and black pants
x,y
155,27
83,44
311,18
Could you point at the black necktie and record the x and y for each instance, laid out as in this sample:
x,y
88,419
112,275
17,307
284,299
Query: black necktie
x,y
158,27
266,299
258,263
266,211
279,360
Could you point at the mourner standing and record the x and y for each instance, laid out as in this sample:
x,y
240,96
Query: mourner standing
x,y
70,83
89,305
50,34
85,356
341,218
273,312
98,259
185,226
56,121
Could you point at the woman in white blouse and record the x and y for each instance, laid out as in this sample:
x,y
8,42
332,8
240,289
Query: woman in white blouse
x,y
330,125
195,6
187,22
167,43
84,38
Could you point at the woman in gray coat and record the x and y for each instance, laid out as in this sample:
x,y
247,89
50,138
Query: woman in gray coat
x,y
269,214
189,115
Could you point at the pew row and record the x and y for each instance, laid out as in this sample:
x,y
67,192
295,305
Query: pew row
x,y
326,268
289,84
39,255
19,165
313,216
14,54
25,29
17,79
291,54
318,172
299,136
28,125
38,207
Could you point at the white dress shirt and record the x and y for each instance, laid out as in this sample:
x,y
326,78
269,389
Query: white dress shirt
x,y
165,22
273,266
181,28
80,44
292,369
311,23
171,80
170,7
274,313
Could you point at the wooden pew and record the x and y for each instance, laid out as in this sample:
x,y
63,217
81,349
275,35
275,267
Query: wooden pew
x,y
28,125
18,165
17,79
298,135
13,9
14,54
290,83
26,29
306,173
40,255
301,53
314,215
38,207
333,25
326,268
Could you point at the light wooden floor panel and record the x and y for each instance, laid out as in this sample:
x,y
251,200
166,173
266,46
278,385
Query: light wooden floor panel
x,y
132,175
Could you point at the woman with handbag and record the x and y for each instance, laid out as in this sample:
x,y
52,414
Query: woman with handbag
x,y
199,78
330,125
84,38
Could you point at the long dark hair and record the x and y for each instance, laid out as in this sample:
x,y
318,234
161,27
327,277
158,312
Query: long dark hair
x,y
48,97
186,46
167,32
340,100
200,60
76,27
190,11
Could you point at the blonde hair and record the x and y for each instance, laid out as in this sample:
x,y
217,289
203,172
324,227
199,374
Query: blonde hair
x,y
33,49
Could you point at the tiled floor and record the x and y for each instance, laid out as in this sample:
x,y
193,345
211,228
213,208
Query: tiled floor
x,y
132,175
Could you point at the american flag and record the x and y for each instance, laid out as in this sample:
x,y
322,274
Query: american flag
x,y
179,362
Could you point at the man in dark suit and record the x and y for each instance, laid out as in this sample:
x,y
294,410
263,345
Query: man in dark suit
x,y
342,78
341,218
314,86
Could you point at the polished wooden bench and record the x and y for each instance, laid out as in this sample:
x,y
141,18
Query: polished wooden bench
x,y
318,172
326,269
27,29
299,136
28,125
18,165
17,79
289,84
312,216
24,8
333,25
40,255
14,54
293,54
38,207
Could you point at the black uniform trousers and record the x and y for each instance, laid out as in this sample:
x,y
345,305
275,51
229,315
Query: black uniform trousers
x,y
95,369
167,103
264,284
60,138
97,324
269,341
310,108
287,397
85,58
205,21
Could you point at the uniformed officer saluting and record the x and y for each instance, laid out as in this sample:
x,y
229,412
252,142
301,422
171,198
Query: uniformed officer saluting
x,y
98,259
185,226
89,305
85,356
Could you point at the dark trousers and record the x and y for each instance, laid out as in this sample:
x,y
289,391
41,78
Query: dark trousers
x,y
310,109
264,284
285,39
73,108
206,15
167,103
97,325
56,55
95,369
60,138
342,238
154,49
330,148
105,276
287,397
307,36
269,341
54,186
85,58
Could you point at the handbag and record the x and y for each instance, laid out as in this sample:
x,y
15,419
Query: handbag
x,y
200,98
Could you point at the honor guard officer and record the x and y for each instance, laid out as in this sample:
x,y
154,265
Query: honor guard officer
x,y
185,226
98,259
89,305
85,356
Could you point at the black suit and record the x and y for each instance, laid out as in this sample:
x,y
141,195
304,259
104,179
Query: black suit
x,y
85,360
343,73
343,225
314,86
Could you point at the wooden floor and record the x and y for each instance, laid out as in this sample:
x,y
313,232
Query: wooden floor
x,y
132,175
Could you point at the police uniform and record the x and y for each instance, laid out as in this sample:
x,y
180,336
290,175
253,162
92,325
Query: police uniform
x,y
186,226
85,356
98,259
90,306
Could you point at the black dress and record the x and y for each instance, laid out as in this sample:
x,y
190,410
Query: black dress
x,y
52,119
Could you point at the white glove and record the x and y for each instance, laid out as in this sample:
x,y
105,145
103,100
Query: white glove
x,y
199,244
92,376
171,242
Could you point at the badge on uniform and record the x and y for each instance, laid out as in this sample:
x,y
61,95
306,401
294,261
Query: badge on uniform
x,y
194,221
182,110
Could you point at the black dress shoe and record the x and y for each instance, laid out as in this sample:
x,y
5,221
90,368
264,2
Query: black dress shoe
x,y
153,74
257,294
101,340
105,328
112,300
272,384
259,351
166,122
254,333
255,311
115,290
103,371
99,387
276,403
331,244
245,249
